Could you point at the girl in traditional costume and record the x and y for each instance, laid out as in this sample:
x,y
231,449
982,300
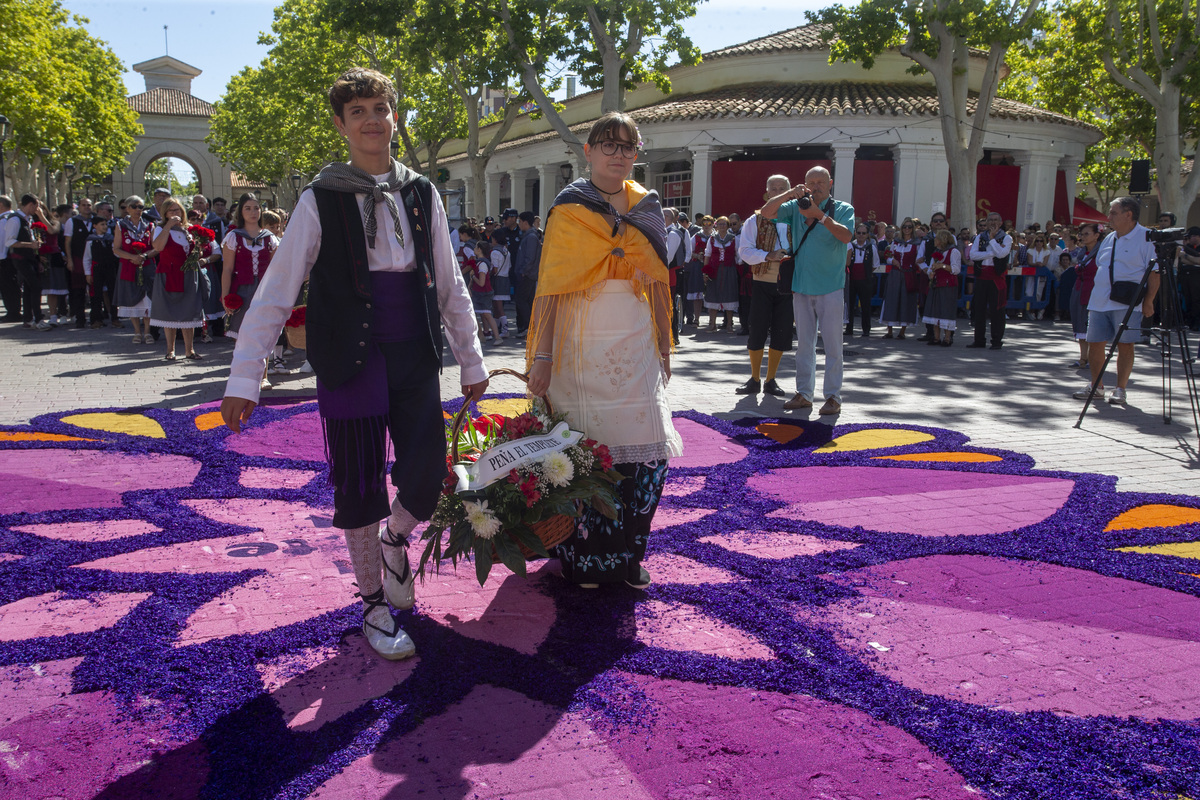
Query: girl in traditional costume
x,y
600,345
246,253
899,308
721,275
372,238
941,310
695,269
133,245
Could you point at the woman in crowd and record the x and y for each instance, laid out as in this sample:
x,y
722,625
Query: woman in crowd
x,y
133,245
483,291
695,270
175,301
899,308
1039,254
603,302
1081,292
720,275
941,309
501,261
246,255
56,280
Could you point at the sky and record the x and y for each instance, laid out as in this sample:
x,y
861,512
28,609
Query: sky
x,y
221,38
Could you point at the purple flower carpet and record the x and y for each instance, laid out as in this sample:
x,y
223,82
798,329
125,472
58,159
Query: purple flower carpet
x,y
866,611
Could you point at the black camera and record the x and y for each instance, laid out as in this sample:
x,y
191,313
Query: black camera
x,y
805,202
1166,235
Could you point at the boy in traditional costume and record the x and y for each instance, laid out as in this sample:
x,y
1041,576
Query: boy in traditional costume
x,y
372,238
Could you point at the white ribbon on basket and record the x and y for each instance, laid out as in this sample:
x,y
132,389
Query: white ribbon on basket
x,y
495,462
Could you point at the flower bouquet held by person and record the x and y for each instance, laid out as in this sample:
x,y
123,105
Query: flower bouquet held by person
x,y
516,486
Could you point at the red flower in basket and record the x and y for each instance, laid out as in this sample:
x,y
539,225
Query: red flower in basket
x,y
490,423
203,234
232,301
299,315
603,456
527,485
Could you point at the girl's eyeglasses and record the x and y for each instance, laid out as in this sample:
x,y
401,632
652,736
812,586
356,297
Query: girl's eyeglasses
x,y
609,148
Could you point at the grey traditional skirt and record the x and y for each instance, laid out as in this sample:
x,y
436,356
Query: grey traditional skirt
x,y
131,296
246,292
177,309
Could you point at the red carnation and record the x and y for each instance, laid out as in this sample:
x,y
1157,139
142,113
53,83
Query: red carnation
x,y
205,235
488,424
298,317
135,247
232,301
449,484
38,225
604,457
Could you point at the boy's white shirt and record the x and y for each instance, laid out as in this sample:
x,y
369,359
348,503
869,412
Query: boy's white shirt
x,y
292,262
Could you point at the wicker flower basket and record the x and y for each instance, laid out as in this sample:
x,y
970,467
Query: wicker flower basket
x,y
297,338
552,531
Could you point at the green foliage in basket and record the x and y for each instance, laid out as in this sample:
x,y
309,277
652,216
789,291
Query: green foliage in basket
x,y
492,522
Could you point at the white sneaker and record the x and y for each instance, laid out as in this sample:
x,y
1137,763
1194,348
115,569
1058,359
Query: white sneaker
x,y
305,368
54,319
383,631
278,367
42,325
1083,393
266,384
399,581
1117,398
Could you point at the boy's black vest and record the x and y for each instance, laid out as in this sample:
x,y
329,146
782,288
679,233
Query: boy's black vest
x,y
339,316
80,229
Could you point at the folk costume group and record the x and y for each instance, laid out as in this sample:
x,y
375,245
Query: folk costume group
x,y
372,239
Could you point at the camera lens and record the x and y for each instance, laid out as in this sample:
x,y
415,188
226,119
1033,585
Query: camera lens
x,y
804,202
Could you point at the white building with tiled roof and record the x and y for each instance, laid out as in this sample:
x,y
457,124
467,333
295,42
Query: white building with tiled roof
x,y
776,104
175,124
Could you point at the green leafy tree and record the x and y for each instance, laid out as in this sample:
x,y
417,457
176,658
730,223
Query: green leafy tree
x,y
1060,73
613,44
1149,49
938,36
457,42
274,119
60,88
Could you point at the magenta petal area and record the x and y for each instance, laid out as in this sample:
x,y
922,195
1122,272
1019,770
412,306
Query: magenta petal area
x,y
51,480
56,615
924,502
297,436
732,743
1015,636
705,447
493,744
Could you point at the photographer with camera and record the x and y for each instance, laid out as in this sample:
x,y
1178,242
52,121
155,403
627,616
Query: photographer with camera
x,y
1121,262
990,254
820,228
1189,277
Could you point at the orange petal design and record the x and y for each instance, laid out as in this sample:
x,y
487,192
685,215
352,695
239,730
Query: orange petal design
x,y
127,422
780,433
33,436
1154,515
959,457
206,422
874,439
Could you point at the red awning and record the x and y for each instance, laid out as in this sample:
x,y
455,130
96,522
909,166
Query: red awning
x,y
1085,213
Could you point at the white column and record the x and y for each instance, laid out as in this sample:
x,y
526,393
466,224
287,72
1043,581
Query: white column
x,y
1035,196
843,172
652,173
519,192
550,176
921,178
469,210
1070,166
702,155
579,168
492,196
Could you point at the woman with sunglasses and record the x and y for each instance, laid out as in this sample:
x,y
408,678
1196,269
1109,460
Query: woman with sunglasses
x,y
899,308
133,245
599,346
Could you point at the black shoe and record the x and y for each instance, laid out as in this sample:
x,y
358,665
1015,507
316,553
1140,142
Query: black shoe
x,y
996,346
865,335
773,388
932,341
923,337
752,386
849,330
976,345
642,580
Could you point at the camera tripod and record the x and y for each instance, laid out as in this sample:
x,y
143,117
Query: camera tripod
x,y
1170,330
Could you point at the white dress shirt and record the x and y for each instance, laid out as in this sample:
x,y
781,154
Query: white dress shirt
x,y
1130,255
994,249
292,262
10,228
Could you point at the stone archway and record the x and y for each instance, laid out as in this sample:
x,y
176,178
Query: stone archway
x,y
175,125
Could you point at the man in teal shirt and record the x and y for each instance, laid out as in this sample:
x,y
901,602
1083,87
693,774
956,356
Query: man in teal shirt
x,y
820,234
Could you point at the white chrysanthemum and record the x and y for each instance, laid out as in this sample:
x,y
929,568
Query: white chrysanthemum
x,y
558,469
481,520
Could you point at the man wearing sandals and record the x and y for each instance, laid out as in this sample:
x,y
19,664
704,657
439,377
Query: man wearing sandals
x,y
372,238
